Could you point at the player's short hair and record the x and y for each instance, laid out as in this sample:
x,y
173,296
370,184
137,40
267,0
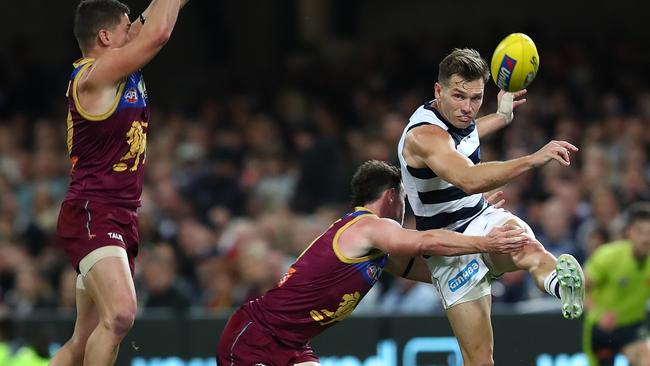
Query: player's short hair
x,y
639,211
465,62
93,15
371,180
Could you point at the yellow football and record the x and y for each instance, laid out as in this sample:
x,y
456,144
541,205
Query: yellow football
x,y
515,62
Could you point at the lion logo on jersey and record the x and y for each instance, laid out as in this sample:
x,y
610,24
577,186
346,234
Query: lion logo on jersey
x,y
137,141
346,306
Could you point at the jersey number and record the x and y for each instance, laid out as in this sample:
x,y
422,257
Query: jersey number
x,y
137,140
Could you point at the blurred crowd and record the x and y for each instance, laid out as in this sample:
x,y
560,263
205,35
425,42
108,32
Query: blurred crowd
x,y
239,184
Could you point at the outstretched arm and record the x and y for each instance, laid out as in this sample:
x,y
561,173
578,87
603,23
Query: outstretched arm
x,y
117,63
432,146
388,236
506,103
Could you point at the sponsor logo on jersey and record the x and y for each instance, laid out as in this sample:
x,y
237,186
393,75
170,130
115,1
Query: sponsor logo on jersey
x,y
464,276
131,95
116,236
505,71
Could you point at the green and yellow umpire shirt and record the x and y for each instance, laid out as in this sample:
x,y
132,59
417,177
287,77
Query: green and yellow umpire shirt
x,y
620,283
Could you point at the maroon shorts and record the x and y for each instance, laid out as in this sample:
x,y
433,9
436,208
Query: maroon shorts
x,y
84,226
245,343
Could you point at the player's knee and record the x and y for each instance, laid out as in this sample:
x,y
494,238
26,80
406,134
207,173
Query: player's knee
x,y
121,319
122,322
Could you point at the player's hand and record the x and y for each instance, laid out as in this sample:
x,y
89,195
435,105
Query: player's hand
x,y
608,321
496,199
506,239
554,150
507,102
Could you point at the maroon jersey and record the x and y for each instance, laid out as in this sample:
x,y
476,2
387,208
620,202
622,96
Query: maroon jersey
x,y
321,288
108,151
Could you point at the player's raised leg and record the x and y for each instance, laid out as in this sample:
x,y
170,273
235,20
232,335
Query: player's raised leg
x,y
562,277
72,352
471,324
110,285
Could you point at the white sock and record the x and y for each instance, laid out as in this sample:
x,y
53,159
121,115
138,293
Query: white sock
x,y
552,285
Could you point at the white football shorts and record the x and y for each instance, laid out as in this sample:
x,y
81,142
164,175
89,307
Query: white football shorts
x,y
456,277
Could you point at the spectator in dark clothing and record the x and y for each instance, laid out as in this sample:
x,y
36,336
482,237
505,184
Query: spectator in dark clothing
x,y
162,286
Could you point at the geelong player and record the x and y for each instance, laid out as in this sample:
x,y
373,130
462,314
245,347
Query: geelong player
x,y
332,275
108,120
618,290
439,154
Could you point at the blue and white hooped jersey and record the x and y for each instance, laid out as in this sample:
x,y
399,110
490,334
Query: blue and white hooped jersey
x,y
437,203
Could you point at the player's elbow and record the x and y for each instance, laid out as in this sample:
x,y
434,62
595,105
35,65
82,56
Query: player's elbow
x,y
474,190
466,180
470,186
159,35
162,36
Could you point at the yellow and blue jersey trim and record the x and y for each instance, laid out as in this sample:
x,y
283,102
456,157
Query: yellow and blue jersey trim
x,y
131,92
358,213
